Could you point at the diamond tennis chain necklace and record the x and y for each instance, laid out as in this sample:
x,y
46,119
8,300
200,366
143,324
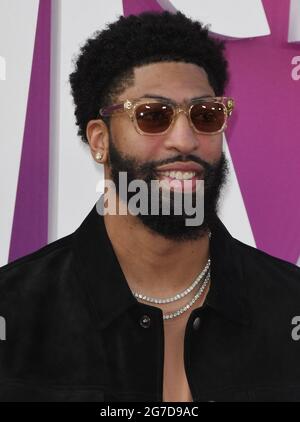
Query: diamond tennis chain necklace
x,y
204,275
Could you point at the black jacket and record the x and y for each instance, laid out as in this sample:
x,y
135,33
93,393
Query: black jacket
x,y
75,332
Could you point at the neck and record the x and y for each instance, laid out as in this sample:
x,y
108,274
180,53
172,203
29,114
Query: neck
x,y
152,264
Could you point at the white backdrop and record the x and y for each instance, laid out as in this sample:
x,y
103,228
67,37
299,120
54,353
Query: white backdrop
x,y
17,33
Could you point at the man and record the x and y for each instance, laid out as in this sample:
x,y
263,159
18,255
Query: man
x,y
143,306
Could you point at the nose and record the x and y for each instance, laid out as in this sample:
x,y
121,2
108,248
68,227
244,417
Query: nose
x,y
181,135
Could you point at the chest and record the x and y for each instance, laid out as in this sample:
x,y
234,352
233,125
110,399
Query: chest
x,y
175,382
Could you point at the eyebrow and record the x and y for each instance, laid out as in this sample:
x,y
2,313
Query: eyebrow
x,y
159,97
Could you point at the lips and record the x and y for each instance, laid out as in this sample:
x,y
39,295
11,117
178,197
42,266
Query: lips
x,y
184,167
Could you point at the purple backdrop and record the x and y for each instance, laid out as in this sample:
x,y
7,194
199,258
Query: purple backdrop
x,y
264,137
30,223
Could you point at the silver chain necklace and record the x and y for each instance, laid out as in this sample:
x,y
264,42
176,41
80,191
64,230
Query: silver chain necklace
x,y
177,296
188,305
196,297
205,271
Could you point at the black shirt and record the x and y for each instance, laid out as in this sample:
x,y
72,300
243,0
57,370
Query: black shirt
x,y
75,332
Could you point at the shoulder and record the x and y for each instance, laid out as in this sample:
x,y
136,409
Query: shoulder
x,y
27,281
43,259
45,312
257,262
271,286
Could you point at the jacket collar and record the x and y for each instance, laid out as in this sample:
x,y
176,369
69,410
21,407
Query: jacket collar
x,y
227,291
100,271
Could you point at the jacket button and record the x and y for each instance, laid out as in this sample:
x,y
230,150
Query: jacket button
x,y
145,321
196,323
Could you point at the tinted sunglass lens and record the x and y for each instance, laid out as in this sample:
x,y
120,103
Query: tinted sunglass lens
x,y
208,117
154,117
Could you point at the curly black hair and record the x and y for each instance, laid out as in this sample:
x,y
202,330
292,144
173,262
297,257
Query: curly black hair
x,y
105,65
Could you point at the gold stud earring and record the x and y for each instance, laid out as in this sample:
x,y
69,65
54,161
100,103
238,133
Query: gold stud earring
x,y
99,156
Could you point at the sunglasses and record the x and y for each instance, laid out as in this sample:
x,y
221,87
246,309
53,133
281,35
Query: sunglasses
x,y
151,116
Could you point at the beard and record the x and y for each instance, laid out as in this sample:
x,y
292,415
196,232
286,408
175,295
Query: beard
x,y
171,226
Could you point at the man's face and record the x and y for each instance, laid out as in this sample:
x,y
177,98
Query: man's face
x,y
141,156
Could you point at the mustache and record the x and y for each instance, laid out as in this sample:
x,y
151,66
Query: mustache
x,y
183,159
151,166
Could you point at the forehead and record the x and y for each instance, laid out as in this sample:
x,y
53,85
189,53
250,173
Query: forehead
x,y
176,80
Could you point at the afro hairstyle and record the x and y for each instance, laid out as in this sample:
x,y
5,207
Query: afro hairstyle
x,y
105,65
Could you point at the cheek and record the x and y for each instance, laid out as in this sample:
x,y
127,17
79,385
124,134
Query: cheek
x,y
132,143
143,148
210,147
151,148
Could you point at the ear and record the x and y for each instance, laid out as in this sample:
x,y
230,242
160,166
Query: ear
x,y
98,137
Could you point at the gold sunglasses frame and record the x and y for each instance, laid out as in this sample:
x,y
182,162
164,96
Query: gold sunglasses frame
x,y
130,105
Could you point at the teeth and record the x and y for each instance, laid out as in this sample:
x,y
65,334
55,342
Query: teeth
x,y
180,175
